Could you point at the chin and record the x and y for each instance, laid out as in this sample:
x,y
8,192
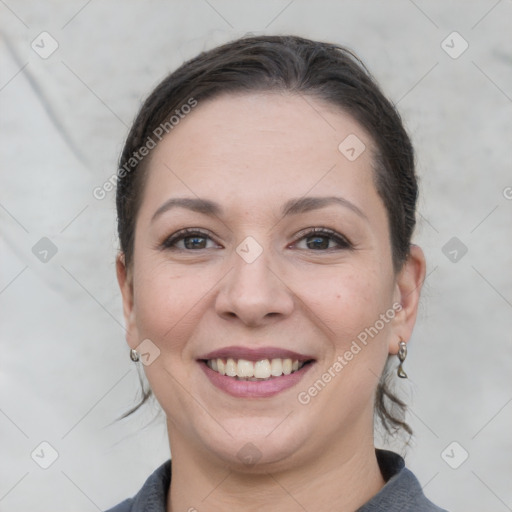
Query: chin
x,y
257,447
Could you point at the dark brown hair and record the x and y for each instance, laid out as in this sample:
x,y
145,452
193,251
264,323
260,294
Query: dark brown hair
x,y
324,71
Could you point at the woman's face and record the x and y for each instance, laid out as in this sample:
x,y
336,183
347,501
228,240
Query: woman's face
x,y
250,289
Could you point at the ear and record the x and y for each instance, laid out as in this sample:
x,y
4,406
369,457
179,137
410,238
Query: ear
x,y
407,293
125,280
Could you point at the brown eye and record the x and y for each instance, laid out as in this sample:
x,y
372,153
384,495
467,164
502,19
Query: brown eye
x,y
322,239
189,240
195,242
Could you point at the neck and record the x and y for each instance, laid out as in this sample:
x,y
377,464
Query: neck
x,y
342,479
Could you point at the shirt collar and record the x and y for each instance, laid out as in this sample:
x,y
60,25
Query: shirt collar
x,y
402,489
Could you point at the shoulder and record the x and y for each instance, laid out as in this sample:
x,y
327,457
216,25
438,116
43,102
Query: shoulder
x,y
124,506
402,490
152,495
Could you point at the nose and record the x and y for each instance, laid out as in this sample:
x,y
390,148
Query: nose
x,y
254,293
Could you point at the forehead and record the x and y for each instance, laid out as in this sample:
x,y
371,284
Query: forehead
x,y
262,147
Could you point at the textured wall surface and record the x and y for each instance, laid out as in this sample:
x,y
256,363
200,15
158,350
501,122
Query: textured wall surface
x,y
67,98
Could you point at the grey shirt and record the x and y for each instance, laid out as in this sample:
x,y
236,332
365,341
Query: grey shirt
x,y
402,492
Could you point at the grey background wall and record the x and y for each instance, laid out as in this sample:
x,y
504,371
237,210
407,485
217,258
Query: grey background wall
x,y
65,374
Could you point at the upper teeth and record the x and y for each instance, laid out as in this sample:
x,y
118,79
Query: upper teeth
x,y
263,369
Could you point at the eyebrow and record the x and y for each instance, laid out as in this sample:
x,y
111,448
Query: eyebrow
x,y
291,207
306,204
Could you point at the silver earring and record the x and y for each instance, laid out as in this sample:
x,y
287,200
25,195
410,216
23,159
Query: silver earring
x,y
134,355
402,354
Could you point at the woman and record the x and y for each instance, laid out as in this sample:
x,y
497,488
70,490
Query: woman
x,y
266,202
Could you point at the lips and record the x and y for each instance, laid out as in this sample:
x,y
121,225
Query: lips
x,y
263,372
255,354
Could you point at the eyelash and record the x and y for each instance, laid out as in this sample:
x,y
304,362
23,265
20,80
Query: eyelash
x,y
342,241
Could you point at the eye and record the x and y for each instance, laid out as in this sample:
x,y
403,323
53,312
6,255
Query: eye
x,y
320,239
316,239
188,239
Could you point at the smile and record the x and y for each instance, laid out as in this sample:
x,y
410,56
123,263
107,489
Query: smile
x,y
264,369
249,372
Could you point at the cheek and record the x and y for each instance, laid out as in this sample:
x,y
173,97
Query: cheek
x,y
347,298
168,302
169,305
350,304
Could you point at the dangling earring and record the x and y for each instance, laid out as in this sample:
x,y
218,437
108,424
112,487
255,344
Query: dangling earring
x,y
134,355
402,354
